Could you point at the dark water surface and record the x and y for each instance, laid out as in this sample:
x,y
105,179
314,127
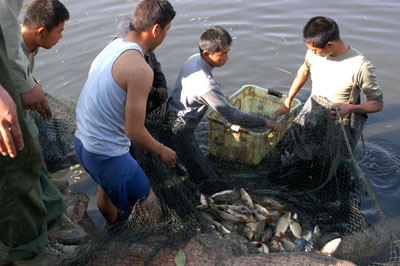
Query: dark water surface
x,y
267,50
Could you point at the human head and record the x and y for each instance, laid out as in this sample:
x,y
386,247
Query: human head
x,y
46,18
150,12
214,45
123,28
320,30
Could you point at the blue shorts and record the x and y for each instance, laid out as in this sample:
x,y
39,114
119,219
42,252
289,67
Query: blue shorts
x,y
121,177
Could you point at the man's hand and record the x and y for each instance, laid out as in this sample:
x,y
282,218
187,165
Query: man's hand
x,y
273,125
163,92
342,108
283,110
168,156
35,100
10,132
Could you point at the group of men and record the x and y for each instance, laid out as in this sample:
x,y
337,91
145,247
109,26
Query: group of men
x,y
111,112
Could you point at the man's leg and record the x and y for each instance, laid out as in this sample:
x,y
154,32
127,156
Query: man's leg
x,y
121,182
148,212
22,212
107,209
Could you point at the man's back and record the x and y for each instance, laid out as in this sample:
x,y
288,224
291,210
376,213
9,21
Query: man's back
x,y
101,106
194,80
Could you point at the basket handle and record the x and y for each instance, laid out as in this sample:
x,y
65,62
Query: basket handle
x,y
275,93
227,125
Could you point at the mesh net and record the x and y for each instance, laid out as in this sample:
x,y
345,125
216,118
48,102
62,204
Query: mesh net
x,y
56,137
311,172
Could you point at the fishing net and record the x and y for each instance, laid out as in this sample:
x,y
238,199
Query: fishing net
x,y
56,137
311,172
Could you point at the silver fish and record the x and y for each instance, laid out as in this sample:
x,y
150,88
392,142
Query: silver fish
x,y
225,192
253,226
248,233
239,208
263,211
238,215
218,225
259,217
203,200
224,230
233,227
317,232
244,196
270,202
260,229
275,214
307,236
276,245
330,247
262,247
228,217
282,224
267,234
228,198
295,227
287,244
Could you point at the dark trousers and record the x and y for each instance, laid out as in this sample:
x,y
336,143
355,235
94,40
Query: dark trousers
x,y
28,200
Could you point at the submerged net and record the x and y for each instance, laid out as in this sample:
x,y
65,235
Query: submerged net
x,y
312,171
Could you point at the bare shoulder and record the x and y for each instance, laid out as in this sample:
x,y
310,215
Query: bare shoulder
x,y
130,67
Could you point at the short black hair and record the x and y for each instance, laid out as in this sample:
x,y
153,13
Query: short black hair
x,y
150,12
320,30
47,13
214,39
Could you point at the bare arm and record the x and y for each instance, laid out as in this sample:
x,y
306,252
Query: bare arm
x,y
302,76
10,132
216,100
370,106
137,79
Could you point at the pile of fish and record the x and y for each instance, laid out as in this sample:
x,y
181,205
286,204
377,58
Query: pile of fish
x,y
264,222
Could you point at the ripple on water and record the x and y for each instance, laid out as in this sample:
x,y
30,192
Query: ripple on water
x,y
379,165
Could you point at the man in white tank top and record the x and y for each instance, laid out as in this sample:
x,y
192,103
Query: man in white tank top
x,y
111,112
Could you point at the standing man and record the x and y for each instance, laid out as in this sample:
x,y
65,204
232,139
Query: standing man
x,y
29,203
158,93
338,73
111,112
42,27
195,90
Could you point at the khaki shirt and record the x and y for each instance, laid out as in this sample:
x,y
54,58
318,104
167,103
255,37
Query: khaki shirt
x,y
18,62
334,77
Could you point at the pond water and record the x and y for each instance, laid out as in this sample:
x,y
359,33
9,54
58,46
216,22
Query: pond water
x,y
267,51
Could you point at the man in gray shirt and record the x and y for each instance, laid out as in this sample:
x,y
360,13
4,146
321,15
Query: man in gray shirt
x,y
195,90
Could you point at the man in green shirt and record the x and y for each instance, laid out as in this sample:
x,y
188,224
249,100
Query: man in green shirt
x,y
31,207
338,72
